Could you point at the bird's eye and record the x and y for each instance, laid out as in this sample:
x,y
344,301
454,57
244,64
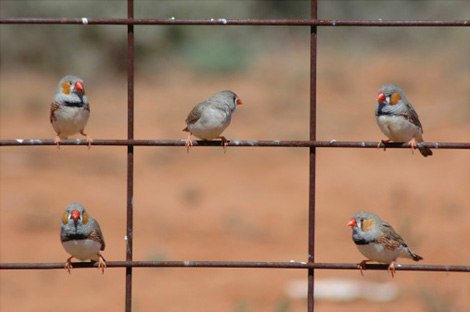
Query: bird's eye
x,y
360,223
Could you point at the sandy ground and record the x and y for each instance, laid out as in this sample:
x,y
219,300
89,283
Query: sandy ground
x,y
249,204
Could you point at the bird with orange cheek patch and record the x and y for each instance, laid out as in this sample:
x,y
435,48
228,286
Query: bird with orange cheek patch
x,y
398,120
70,109
81,236
378,241
208,119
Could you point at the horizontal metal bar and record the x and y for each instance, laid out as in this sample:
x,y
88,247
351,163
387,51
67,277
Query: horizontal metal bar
x,y
233,22
233,264
249,143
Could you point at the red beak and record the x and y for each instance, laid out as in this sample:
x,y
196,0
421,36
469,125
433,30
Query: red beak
x,y
381,97
75,215
239,102
79,86
352,222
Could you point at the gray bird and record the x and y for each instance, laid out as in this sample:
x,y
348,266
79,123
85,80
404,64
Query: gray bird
x,y
378,241
397,118
208,119
70,109
81,236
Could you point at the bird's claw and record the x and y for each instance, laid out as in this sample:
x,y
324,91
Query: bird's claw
x,y
68,265
224,143
88,139
188,143
412,144
362,266
391,268
383,143
101,264
57,142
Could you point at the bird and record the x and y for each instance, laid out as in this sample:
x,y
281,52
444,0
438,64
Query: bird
x,y
378,241
70,109
81,236
208,119
398,120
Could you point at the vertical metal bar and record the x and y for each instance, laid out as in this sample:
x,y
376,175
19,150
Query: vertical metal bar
x,y
130,152
313,128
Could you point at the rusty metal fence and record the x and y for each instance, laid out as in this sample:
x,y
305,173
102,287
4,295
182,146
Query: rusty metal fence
x,y
311,144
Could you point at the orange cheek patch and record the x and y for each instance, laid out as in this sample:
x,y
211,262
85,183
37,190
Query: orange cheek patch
x,y
65,218
367,224
395,98
65,87
85,218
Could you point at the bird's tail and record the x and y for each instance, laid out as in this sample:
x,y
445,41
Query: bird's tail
x,y
425,151
415,256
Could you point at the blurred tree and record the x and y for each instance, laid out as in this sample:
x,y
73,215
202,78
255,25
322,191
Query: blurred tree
x,y
102,48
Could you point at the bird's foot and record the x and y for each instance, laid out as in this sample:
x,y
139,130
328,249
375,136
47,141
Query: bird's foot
x,y
88,139
188,143
383,143
412,144
362,266
57,141
68,264
224,143
101,264
391,268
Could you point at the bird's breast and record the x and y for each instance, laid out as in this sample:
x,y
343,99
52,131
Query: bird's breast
x,y
377,252
70,120
211,124
397,128
83,249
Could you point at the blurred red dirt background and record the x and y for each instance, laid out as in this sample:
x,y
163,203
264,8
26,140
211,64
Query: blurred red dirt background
x,y
249,204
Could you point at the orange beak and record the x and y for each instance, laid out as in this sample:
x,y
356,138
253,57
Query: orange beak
x,y
239,102
79,86
381,97
75,215
352,222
